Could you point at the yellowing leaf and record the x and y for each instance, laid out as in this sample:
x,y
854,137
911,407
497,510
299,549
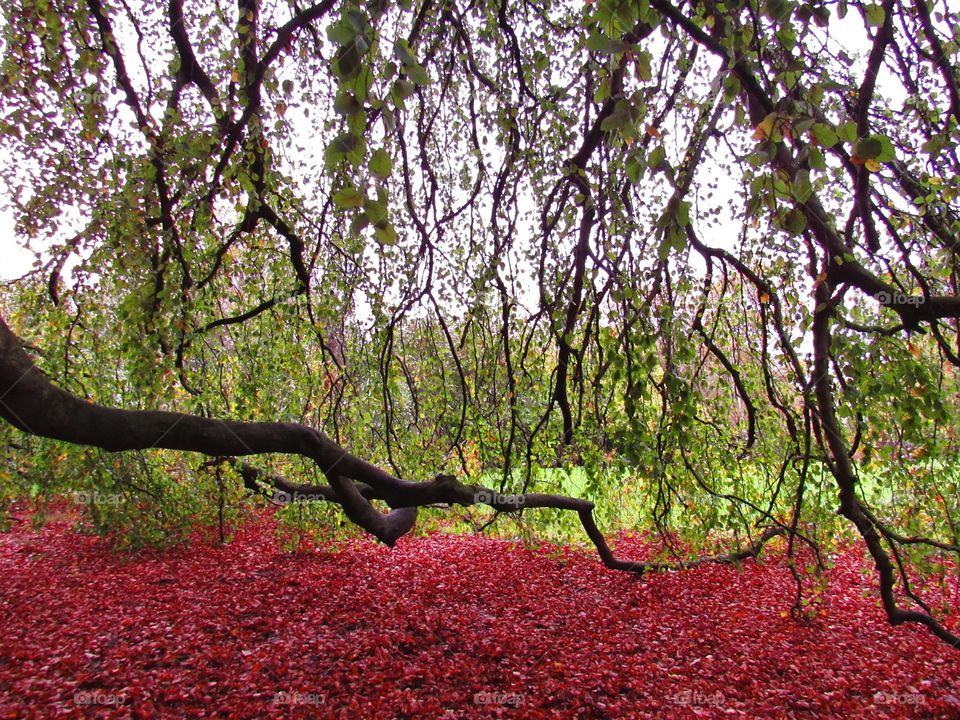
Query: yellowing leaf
x,y
765,128
774,126
872,165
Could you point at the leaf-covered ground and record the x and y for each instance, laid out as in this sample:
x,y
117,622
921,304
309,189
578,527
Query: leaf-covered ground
x,y
441,627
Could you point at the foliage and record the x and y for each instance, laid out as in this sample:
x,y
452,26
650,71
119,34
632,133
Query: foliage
x,y
703,252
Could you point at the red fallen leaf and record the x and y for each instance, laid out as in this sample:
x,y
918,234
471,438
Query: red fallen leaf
x,y
477,627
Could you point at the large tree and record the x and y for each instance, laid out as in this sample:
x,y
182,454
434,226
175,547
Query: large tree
x,y
709,245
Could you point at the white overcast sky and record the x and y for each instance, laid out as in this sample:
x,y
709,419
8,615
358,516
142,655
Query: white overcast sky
x,y
15,261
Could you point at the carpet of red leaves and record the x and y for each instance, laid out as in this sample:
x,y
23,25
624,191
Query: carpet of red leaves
x,y
440,627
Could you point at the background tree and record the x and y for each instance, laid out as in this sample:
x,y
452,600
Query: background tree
x,y
704,251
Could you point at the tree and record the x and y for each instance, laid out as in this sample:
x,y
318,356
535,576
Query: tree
x,y
713,243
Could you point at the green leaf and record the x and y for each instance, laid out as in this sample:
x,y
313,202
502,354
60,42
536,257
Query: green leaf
x,y
887,151
348,198
824,135
616,17
376,212
359,222
847,132
341,33
595,41
635,167
673,239
358,20
360,85
603,91
816,159
346,62
381,164
402,52
794,222
619,118
868,148
731,88
656,157
346,104
417,74
802,125
400,91
663,251
344,144
345,147
386,235
389,119
642,61
600,43
778,10
821,15
934,145
875,14
403,89
801,187
357,123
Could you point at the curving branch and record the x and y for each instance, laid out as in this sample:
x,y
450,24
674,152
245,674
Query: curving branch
x,y
842,469
190,69
30,402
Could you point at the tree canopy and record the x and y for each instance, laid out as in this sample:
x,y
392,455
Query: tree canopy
x,y
705,252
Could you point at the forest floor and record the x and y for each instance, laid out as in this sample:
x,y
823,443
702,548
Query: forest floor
x,y
441,627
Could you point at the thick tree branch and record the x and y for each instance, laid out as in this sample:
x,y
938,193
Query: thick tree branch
x,y
843,472
190,69
30,402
